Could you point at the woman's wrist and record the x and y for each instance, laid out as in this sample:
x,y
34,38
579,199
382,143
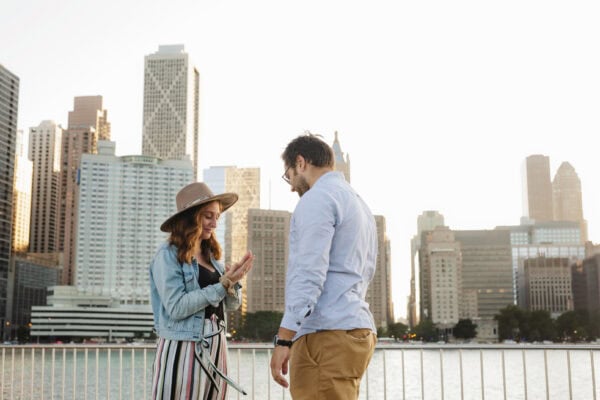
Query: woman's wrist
x,y
228,285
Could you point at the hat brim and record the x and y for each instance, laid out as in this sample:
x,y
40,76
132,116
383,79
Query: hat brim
x,y
226,200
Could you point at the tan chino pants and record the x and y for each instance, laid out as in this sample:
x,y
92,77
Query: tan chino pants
x,y
329,365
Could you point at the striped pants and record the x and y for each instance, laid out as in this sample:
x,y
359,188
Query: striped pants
x,y
179,375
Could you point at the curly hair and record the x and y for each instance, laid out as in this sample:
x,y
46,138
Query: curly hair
x,y
310,146
185,233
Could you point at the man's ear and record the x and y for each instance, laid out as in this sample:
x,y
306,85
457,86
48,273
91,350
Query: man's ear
x,y
300,162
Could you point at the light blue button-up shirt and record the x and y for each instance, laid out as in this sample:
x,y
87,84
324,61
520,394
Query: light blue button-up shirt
x,y
333,250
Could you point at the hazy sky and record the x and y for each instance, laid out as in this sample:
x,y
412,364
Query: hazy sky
x,y
437,102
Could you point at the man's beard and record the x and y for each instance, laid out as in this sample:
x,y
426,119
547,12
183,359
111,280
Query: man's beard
x,y
301,186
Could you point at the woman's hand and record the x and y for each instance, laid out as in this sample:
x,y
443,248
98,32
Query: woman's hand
x,y
239,269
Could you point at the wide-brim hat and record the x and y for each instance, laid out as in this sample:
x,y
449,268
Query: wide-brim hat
x,y
194,195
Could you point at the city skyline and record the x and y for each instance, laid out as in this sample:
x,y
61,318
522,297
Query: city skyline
x,y
437,105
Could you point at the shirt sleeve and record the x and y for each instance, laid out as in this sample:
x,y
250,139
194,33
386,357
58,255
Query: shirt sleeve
x,y
311,232
169,281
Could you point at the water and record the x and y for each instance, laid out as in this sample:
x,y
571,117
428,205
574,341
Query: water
x,y
394,373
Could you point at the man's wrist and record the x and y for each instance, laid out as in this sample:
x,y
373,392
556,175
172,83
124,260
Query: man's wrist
x,y
277,341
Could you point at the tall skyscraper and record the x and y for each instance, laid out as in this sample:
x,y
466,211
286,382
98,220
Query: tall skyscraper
x,y
537,189
88,123
21,197
566,195
123,201
246,183
268,232
9,107
45,153
427,221
171,106
379,294
342,161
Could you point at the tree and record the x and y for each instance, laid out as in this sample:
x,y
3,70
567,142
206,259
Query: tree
x,y
513,323
571,326
465,329
541,326
426,330
261,325
397,330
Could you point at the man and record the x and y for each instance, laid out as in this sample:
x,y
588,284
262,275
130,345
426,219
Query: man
x,y
333,250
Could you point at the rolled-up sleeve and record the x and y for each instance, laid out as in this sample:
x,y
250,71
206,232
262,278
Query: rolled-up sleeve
x,y
311,233
168,279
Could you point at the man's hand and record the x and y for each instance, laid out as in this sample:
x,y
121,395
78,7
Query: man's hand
x,y
279,364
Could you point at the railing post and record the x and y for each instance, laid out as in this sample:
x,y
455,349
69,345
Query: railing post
x,y
462,389
524,373
85,373
74,371
12,373
32,370
593,374
384,377
569,371
422,377
403,377
442,373
546,375
503,375
481,372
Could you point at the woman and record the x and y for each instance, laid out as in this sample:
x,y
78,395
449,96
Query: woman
x,y
190,293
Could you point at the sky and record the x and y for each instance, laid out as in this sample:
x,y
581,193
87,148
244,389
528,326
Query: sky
x,y
437,103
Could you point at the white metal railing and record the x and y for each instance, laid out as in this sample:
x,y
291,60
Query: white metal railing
x,y
397,371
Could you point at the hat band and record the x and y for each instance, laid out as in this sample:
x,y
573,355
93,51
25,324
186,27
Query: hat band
x,y
191,203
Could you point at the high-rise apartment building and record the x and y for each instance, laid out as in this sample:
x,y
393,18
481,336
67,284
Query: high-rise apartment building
x,y
171,106
268,232
537,189
427,221
122,203
440,278
88,123
21,197
566,192
45,153
342,161
548,284
9,107
379,294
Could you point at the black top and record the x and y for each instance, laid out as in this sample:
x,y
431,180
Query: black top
x,y
205,278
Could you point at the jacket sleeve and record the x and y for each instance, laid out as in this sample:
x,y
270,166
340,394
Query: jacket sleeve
x,y
169,281
234,302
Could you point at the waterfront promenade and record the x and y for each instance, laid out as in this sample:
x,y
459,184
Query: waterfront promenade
x,y
397,371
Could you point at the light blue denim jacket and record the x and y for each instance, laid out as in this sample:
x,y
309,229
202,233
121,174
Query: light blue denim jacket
x,y
178,302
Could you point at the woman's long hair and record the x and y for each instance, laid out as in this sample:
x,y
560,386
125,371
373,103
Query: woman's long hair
x,y
186,231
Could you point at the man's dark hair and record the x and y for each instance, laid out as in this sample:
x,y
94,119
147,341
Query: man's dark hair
x,y
312,147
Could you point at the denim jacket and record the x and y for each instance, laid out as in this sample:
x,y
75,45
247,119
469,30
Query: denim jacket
x,y
178,302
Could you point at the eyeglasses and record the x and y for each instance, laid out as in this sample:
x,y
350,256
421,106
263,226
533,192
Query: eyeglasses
x,y
285,177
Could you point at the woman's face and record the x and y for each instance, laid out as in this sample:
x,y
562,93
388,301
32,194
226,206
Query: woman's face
x,y
208,219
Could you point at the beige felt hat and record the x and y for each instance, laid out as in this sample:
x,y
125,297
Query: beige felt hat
x,y
194,195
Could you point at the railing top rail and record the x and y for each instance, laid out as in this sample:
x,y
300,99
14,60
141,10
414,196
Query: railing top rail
x,y
386,346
